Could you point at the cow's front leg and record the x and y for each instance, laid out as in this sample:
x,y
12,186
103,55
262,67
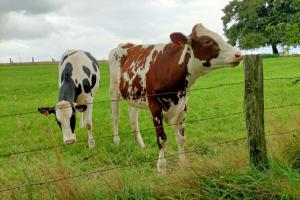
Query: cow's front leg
x,y
161,137
88,114
180,138
81,122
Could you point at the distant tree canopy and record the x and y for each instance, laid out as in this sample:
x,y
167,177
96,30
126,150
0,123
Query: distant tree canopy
x,y
256,23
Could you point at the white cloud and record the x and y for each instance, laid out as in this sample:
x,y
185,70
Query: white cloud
x,y
44,29
18,25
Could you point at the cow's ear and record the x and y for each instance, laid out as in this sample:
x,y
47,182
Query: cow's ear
x,y
80,108
178,38
46,110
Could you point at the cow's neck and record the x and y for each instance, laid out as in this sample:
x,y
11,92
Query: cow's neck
x,y
194,66
67,91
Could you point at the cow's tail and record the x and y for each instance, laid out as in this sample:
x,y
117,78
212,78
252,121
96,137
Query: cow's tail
x,y
115,56
114,69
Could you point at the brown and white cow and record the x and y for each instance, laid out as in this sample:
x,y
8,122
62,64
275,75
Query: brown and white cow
x,y
158,77
78,83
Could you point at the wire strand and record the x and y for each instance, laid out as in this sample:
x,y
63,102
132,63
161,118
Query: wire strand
x,y
158,94
122,166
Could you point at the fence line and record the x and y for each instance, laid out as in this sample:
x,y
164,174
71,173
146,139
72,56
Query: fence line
x,y
132,132
124,133
158,94
126,165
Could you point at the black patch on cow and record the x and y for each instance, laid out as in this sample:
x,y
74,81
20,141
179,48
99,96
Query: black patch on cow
x,y
67,72
78,91
86,85
91,57
66,56
73,120
76,81
94,80
87,71
166,97
95,66
68,91
63,59
72,53
207,64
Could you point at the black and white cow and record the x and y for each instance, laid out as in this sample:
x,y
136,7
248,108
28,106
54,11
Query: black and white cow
x,y
78,83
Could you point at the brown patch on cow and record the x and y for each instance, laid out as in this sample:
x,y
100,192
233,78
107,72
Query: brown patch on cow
x,y
165,74
204,47
167,78
135,59
137,90
128,45
124,86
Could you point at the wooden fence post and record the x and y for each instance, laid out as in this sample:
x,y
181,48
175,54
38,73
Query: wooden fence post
x,y
254,111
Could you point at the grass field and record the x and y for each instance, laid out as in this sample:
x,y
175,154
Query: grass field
x,y
214,171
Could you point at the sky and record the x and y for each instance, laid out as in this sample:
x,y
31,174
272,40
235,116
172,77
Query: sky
x,y
45,29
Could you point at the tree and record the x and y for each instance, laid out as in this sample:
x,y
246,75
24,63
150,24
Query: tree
x,y
256,23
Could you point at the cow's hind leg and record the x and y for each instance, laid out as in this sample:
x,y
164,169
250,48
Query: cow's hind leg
x,y
115,97
88,114
180,138
133,115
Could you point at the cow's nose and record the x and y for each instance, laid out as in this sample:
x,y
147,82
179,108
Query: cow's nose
x,y
238,56
72,141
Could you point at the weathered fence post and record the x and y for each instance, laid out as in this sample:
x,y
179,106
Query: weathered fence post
x,y
254,111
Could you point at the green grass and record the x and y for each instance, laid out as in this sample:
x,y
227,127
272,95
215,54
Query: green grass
x,y
213,172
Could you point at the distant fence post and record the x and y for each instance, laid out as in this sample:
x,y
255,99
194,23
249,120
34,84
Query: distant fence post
x,y
254,111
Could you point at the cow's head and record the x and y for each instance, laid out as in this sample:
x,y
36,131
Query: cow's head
x,y
65,117
209,48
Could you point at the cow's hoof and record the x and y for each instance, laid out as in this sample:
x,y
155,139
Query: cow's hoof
x,y
142,145
92,143
117,141
71,141
184,163
81,125
162,166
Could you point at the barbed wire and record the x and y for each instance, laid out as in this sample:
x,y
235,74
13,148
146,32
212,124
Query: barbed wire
x,y
143,130
104,170
124,133
158,94
127,165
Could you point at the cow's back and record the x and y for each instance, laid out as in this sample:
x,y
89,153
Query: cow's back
x,y
129,64
84,69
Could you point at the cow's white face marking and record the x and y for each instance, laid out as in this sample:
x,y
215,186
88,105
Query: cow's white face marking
x,y
65,116
227,54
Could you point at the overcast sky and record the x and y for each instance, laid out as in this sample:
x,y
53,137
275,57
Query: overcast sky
x,y
44,29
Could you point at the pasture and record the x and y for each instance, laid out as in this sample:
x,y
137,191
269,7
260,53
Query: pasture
x,y
129,172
